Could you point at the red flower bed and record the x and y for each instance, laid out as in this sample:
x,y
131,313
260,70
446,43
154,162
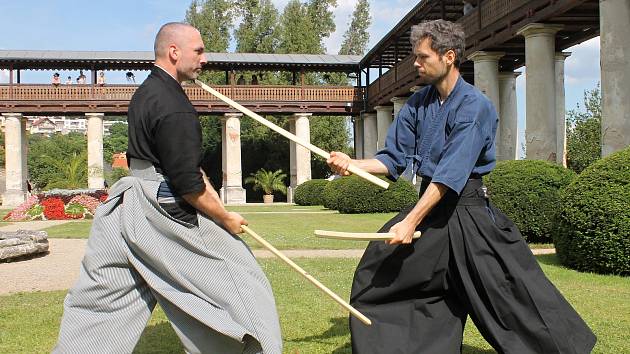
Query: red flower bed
x,y
54,209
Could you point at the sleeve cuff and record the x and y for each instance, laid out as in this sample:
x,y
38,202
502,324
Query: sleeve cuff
x,y
391,167
452,185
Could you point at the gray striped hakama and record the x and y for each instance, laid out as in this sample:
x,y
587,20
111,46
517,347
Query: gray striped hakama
x,y
207,281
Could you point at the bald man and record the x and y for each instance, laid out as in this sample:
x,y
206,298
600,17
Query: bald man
x,y
164,236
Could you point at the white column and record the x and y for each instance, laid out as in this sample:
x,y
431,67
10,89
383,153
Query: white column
x,y
15,146
384,116
615,66
561,125
486,66
95,150
370,135
232,190
507,145
398,103
540,93
358,137
300,157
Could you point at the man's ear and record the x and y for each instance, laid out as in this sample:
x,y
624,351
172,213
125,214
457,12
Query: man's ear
x,y
173,52
449,57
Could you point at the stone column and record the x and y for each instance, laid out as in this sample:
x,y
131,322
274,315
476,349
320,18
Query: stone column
x,y
507,145
232,190
384,115
540,92
561,126
370,135
358,137
15,146
300,157
615,66
95,150
486,66
398,103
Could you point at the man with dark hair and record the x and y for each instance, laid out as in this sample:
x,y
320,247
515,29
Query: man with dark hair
x,y
163,235
471,259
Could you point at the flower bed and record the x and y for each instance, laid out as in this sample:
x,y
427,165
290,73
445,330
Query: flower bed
x,y
58,205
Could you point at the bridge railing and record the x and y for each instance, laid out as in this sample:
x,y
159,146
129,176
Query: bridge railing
x,y
259,93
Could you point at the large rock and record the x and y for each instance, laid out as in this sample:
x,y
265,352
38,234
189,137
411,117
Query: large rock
x,y
22,243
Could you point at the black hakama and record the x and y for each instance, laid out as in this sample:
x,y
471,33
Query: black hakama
x,y
470,260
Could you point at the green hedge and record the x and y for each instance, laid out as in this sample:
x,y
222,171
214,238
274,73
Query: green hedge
x,y
527,191
354,195
330,194
593,229
310,192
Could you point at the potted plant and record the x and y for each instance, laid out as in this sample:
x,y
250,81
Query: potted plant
x,y
269,182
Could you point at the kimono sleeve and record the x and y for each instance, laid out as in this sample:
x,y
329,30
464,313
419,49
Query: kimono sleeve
x,y
400,142
464,144
178,145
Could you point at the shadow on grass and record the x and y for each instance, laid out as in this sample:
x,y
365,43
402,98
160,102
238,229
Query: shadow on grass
x,y
466,349
549,259
338,328
159,338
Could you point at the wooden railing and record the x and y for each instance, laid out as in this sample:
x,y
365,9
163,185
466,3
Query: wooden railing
x,y
402,72
254,93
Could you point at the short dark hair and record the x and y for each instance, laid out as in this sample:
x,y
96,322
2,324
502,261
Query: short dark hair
x,y
165,35
444,35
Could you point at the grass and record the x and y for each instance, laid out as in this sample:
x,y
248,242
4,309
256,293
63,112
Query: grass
x,y
290,230
311,323
286,228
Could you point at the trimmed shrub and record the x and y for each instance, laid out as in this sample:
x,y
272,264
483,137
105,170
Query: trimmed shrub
x,y
527,191
310,192
330,194
593,226
355,195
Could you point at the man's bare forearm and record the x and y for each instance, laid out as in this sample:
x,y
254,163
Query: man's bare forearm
x,y
207,201
372,166
430,198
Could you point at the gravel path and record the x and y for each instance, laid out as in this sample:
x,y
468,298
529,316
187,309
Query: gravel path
x,y
59,269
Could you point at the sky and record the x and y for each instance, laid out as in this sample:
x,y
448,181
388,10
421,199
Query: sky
x,y
131,25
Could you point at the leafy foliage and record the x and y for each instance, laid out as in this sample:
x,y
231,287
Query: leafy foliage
x,y
310,192
527,191
268,181
357,37
58,161
116,141
593,224
584,132
354,195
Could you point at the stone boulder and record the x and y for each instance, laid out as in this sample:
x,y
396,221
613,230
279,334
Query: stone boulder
x,y
22,243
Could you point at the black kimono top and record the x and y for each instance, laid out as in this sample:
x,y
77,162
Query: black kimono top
x,y
448,141
164,129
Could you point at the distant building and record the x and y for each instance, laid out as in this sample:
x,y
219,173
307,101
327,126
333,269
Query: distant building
x,y
48,125
119,160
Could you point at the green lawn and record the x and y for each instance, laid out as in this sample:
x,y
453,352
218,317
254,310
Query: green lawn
x,y
311,323
285,230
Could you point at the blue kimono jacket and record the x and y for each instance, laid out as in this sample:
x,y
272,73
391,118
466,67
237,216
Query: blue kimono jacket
x,y
449,141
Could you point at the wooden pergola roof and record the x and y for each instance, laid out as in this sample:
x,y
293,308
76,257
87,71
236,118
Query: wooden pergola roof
x,y
143,60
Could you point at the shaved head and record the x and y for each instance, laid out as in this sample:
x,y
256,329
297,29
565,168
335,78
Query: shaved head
x,y
171,33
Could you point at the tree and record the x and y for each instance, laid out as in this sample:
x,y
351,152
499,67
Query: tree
x,y
257,32
323,19
297,31
584,132
57,147
213,19
357,37
70,172
116,141
331,134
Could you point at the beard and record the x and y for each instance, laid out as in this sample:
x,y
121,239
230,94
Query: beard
x,y
433,79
